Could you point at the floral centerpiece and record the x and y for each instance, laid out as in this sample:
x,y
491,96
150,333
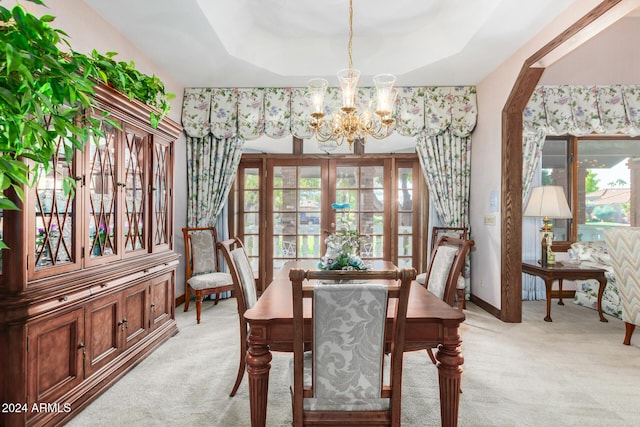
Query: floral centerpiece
x,y
342,250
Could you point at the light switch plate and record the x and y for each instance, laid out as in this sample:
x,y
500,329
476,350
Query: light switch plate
x,y
490,220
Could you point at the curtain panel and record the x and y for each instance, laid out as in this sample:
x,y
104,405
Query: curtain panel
x,y
249,113
212,164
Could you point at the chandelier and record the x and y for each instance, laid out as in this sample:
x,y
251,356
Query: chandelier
x,y
348,123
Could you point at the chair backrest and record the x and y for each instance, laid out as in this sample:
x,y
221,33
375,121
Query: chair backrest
x,y
241,272
457,232
348,377
446,263
200,250
624,249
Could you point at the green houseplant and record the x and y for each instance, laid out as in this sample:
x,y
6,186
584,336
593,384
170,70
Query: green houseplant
x,y
44,90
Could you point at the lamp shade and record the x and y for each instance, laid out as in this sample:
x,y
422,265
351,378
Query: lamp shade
x,y
548,201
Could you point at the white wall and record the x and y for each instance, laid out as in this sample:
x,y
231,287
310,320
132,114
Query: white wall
x,y
88,31
608,59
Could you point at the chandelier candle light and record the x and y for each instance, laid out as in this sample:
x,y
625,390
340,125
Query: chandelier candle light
x,y
348,123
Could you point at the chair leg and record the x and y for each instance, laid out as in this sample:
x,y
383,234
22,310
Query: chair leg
x,y
198,305
629,328
217,299
243,352
187,297
462,303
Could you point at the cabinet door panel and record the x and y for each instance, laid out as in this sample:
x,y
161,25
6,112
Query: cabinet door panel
x,y
101,197
53,244
162,197
136,309
55,356
161,299
135,190
103,331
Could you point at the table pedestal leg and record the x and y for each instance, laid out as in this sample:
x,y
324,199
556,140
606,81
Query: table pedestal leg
x,y
450,363
258,366
603,284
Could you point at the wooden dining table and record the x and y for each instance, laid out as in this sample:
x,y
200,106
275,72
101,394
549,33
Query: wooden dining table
x,y
431,323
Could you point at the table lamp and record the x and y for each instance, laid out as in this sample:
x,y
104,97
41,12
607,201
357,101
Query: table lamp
x,y
547,201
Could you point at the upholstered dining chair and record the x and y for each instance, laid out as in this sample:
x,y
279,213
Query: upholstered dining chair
x,y
246,296
457,232
202,267
624,249
245,291
446,263
346,378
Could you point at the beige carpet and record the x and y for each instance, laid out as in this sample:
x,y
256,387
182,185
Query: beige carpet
x,y
572,372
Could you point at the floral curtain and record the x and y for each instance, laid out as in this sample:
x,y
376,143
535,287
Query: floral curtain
x,y
249,113
573,110
444,151
212,161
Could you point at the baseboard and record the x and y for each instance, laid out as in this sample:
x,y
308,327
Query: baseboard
x,y
180,300
485,306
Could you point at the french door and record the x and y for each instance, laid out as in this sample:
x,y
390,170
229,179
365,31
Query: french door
x,y
284,209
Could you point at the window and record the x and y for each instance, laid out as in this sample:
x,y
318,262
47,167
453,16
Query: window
x,y
601,183
284,207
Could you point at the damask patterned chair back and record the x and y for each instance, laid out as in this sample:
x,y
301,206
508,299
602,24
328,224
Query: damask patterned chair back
x,y
445,266
202,267
624,249
346,379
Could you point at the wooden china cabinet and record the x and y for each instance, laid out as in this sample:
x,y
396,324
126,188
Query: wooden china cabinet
x,y
87,286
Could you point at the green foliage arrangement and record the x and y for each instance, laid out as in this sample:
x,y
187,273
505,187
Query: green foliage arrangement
x,y
43,91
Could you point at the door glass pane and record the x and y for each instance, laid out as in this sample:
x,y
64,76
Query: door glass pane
x,y
296,213
608,179
135,200
361,188
405,217
162,201
103,187
54,209
251,207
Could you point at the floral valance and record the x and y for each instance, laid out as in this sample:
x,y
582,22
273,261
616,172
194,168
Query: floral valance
x,y
279,112
583,110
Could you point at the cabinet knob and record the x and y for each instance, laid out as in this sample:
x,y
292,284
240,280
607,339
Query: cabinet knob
x,y
63,298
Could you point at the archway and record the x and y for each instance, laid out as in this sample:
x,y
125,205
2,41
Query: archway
x,y
602,16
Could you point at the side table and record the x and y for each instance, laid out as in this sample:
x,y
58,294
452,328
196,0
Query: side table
x,y
561,271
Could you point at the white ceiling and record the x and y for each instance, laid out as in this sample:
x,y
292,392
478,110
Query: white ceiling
x,y
262,43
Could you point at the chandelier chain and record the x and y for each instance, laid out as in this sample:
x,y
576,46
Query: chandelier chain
x,y
350,34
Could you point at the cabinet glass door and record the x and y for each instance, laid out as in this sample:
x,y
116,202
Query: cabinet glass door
x,y
135,227
52,230
161,216
103,190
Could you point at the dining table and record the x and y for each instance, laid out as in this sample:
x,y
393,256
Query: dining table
x,y
431,323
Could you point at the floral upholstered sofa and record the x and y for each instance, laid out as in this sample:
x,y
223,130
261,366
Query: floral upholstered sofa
x,y
595,254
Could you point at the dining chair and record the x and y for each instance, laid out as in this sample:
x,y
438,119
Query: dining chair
x,y
245,292
347,378
202,267
446,263
460,233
